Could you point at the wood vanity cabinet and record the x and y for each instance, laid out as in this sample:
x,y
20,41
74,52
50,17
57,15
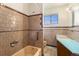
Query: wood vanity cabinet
x,y
62,51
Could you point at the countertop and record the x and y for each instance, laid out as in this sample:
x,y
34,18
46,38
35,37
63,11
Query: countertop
x,y
69,43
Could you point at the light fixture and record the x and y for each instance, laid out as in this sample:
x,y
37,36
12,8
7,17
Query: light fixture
x,y
70,9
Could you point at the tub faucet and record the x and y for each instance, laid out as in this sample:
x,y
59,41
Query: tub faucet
x,y
12,44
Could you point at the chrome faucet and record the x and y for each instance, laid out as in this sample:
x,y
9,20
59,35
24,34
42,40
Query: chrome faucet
x,y
12,44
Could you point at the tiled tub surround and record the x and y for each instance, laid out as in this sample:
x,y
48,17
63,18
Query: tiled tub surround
x,y
11,20
6,38
14,27
36,38
35,31
35,22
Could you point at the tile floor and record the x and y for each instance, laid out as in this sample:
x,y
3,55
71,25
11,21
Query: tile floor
x,y
50,51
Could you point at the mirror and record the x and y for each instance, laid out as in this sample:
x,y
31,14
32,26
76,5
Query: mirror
x,y
76,17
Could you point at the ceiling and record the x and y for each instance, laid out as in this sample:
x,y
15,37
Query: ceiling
x,y
54,4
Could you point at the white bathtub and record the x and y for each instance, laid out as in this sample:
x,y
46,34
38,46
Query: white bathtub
x,y
29,51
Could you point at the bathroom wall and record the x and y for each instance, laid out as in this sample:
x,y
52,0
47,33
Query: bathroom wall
x,y
36,38
73,33
6,38
35,30
13,27
64,21
64,15
35,22
50,35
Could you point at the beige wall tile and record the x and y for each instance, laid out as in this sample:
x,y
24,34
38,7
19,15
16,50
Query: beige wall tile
x,y
34,22
11,20
36,39
74,34
9,37
50,35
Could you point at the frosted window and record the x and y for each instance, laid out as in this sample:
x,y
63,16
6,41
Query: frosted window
x,y
46,20
54,19
51,20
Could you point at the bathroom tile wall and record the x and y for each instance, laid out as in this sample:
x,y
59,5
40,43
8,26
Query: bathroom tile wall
x,y
17,27
36,38
73,33
13,27
50,35
8,37
10,20
36,32
35,22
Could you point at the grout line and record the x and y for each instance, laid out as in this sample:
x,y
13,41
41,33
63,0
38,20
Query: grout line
x,y
20,30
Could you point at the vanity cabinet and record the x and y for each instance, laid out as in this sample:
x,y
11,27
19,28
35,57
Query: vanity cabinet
x,y
67,46
62,51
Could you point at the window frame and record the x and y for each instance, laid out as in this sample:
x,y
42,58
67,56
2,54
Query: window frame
x,y
51,24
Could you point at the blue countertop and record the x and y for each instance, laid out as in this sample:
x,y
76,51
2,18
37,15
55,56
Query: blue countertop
x,y
70,44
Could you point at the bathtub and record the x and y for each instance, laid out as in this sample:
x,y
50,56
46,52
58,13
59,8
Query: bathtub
x,y
28,51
